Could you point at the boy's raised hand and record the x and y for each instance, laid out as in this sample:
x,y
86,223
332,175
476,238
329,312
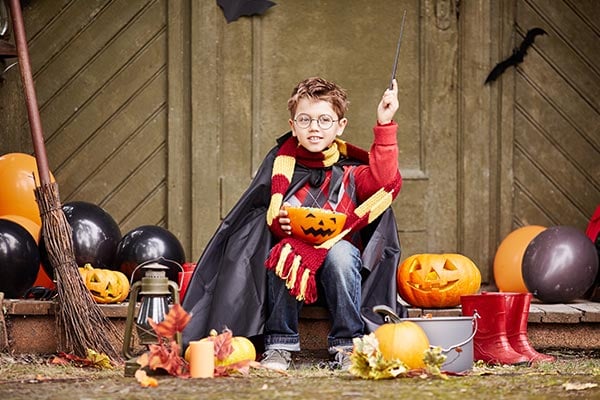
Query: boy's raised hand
x,y
388,105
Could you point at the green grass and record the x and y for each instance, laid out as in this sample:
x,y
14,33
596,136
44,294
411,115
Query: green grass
x,y
31,377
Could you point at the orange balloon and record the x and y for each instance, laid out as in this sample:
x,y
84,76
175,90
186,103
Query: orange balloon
x,y
18,180
33,228
43,279
509,258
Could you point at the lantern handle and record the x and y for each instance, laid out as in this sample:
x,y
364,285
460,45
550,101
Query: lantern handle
x,y
158,260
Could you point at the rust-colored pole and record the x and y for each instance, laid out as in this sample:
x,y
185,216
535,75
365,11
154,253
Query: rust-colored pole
x,y
35,124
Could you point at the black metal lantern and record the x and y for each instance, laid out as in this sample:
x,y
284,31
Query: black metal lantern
x,y
154,290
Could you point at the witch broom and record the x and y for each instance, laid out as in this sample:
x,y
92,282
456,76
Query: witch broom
x,y
81,323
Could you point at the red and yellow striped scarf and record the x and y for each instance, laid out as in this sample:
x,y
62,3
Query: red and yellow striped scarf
x,y
293,260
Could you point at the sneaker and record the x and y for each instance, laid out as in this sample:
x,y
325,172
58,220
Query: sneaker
x,y
276,359
342,360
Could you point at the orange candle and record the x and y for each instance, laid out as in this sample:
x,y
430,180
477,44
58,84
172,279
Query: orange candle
x,y
202,359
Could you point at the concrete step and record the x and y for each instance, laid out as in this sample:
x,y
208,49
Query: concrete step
x,y
28,326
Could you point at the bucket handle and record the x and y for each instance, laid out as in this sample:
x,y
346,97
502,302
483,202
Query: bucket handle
x,y
391,316
449,349
388,314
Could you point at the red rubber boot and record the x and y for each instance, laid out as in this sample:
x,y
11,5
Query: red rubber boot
x,y
491,343
517,307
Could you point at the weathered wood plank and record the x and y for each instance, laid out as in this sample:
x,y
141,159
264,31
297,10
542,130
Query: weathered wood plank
x,y
561,171
97,73
107,102
80,46
145,179
97,154
476,175
236,135
559,313
574,56
115,169
558,130
204,122
591,311
179,165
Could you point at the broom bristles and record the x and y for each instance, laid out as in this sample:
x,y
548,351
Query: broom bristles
x,y
81,323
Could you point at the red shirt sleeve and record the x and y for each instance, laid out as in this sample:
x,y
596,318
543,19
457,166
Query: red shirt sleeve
x,y
383,163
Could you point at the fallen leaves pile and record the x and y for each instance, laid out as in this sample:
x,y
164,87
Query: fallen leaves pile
x,y
369,363
166,355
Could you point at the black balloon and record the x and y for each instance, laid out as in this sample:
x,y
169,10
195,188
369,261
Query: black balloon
x,y
95,236
148,243
19,259
559,264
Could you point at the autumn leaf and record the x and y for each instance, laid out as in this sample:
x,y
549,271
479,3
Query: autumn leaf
x,y
99,360
166,353
369,363
93,359
174,322
168,358
57,360
223,344
144,379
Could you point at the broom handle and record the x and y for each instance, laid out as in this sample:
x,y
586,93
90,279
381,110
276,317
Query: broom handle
x,y
33,112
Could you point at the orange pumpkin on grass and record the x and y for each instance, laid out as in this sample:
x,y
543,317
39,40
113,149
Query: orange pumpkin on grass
x,y
405,341
242,350
315,225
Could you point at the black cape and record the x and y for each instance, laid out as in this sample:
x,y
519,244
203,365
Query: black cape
x,y
228,286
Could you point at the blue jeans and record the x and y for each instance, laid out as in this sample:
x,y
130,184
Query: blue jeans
x,y
340,283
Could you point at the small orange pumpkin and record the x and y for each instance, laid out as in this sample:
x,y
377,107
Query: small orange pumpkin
x,y
315,225
105,285
242,350
405,341
437,280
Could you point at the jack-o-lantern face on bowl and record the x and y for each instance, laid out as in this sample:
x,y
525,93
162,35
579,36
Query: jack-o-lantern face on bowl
x,y
315,225
437,280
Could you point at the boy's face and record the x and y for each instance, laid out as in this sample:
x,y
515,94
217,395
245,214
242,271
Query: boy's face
x,y
318,114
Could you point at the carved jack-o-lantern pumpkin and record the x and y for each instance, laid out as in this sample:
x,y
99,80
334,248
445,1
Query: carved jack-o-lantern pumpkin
x,y
315,225
105,286
437,280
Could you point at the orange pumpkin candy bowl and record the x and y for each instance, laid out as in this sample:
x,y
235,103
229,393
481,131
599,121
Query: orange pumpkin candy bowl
x,y
315,225
437,280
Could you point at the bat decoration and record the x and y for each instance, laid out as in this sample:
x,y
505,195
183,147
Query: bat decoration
x,y
517,56
234,9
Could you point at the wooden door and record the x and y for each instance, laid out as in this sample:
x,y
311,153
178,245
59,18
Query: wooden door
x,y
240,89
101,81
556,151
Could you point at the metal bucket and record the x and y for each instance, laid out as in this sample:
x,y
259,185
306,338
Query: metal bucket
x,y
454,335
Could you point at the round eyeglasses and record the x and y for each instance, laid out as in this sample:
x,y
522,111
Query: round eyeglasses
x,y
324,121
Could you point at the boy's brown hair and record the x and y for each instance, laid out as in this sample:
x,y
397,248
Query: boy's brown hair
x,y
316,88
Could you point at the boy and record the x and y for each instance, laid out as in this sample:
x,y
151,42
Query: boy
x,y
310,167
